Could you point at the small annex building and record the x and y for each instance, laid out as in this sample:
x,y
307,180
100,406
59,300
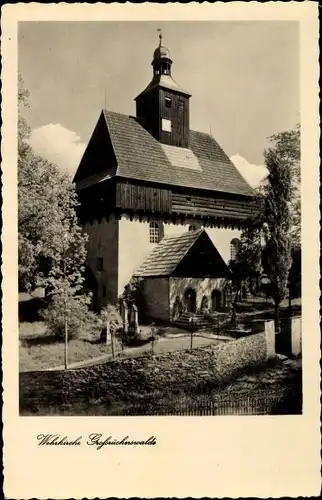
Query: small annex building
x,y
183,273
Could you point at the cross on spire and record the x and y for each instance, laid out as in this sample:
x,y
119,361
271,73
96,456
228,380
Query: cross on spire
x,y
160,35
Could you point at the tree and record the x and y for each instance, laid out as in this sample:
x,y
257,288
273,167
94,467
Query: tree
x,y
52,246
248,262
295,273
44,195
278,225
46,209
287,147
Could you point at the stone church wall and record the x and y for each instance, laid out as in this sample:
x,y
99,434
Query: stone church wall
x,y
134,246
103,244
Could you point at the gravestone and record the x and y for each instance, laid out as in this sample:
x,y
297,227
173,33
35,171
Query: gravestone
x,y
296,336
270,339
125,316
106,334
135,319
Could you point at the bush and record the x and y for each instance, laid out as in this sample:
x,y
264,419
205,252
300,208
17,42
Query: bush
x,y
73,311
132,293
110,314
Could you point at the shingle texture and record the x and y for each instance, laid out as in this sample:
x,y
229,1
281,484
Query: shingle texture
x,y
140,156
181,157
165,257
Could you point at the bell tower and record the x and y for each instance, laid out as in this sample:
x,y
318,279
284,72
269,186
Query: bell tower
x,y
163,107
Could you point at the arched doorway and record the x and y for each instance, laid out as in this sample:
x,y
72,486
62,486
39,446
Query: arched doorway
x,y
216,300
204,305
190,300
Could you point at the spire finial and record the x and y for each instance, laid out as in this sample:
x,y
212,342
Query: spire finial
x,y
160,36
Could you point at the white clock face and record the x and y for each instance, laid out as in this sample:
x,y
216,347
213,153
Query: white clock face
x,y
166,125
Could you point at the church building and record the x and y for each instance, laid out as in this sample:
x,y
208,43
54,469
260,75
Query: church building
x,y
160,201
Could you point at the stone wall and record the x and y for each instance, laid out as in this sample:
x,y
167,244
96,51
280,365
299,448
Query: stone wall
x,y
153,376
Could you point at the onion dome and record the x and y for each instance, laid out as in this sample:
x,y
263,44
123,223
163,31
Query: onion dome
x,y
161,53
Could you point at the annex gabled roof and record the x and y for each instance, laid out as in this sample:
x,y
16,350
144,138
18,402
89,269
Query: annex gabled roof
x,y
169,255
127,150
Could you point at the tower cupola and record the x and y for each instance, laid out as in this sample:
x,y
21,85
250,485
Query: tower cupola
x,y
161,60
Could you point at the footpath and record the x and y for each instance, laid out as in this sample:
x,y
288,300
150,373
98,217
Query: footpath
x,y
169,343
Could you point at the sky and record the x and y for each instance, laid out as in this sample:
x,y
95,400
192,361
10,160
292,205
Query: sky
x,y
243,77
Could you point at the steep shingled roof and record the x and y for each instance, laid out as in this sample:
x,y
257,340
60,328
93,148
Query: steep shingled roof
x,y
165,257
140,156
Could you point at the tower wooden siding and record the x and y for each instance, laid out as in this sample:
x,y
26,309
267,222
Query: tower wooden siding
x,y
178,113
147,111
136,197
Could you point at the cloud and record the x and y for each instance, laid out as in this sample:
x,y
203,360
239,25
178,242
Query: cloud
x,y
253,174
58,145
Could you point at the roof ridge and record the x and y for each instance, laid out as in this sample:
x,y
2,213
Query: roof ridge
x,y
181,235
162,249
196,236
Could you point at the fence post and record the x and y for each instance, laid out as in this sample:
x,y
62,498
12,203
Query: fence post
x,y
152,338
191,330
112,343
108,333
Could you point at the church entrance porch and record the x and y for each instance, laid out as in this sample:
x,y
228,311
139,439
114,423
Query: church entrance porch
x,y
179,276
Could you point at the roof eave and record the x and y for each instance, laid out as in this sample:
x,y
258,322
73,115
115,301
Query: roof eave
x,y
186,186
165,87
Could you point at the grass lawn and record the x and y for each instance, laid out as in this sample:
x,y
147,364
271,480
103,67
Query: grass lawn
x,y
40,357
38,350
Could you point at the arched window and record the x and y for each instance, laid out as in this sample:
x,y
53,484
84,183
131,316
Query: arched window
x,y
154,232
234,246
192,228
